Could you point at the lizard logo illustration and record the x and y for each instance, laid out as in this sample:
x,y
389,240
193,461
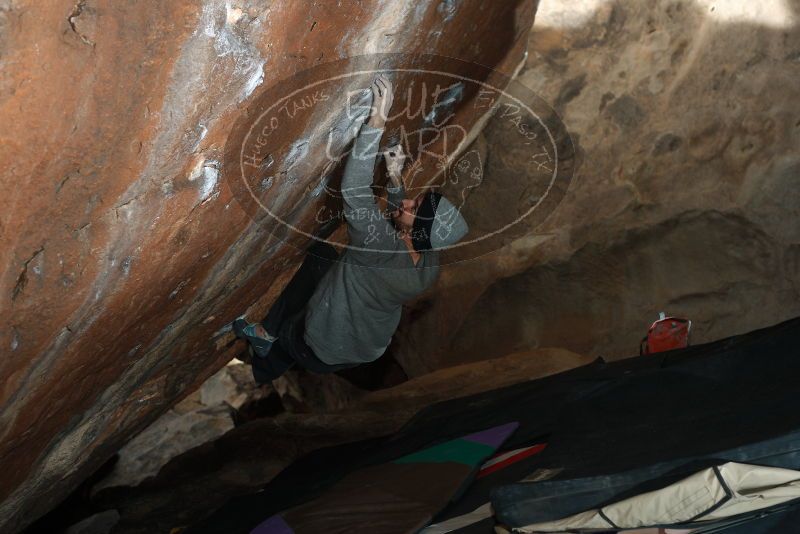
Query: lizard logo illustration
x,y
284,159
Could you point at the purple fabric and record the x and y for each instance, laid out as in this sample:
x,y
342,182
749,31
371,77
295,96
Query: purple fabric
x,y
273,525
493,437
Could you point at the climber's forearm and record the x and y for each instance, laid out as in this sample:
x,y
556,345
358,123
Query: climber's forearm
x,y
358,170
376,120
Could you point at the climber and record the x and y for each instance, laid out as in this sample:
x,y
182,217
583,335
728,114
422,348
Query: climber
x,y
339,312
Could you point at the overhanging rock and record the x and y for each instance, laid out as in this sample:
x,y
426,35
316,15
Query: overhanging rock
x,y
123,251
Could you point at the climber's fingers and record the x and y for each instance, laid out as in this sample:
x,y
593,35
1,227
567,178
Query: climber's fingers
x,y
377,89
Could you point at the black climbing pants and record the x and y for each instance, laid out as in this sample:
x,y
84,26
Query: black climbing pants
x,y
286,320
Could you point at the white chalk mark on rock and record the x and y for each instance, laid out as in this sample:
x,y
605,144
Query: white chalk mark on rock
x,y
208,172
256,79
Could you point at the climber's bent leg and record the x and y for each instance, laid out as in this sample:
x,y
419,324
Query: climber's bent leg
x,y
287,348
299,290
290,349
272,366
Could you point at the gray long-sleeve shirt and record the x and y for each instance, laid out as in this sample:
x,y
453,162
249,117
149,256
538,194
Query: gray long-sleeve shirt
x,y
356,307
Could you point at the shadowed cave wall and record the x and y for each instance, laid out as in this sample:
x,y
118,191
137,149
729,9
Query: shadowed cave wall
x,y
686,198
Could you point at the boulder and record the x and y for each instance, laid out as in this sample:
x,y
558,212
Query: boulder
x,y
203,416
125,252
192,485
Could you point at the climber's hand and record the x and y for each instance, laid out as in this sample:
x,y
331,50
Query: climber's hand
x,y
382,99
395,160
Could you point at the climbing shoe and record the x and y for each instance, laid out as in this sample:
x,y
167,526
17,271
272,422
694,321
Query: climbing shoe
x,y
245,330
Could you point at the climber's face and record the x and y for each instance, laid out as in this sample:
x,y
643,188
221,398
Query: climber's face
x,y
404,217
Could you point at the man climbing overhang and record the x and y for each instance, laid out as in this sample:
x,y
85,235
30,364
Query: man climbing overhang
x,y
341,311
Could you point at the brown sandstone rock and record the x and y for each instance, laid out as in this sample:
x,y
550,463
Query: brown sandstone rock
x,y
195,483
203,416
122,251
472,378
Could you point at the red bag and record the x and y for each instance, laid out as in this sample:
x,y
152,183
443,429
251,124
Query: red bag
x,y
668,333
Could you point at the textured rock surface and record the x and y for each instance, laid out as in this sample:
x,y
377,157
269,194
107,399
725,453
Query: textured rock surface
x,y
304,392
203,416
471,378
196,483
232,385
687,199
122,253
101,523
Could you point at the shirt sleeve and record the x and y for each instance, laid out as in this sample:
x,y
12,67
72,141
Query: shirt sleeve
x,y
367,226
